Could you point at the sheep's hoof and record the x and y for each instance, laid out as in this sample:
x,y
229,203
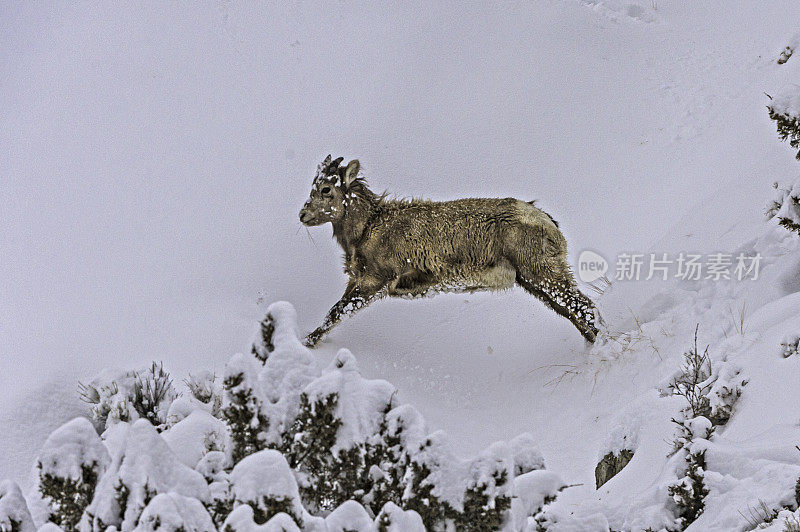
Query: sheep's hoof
x,y
313,338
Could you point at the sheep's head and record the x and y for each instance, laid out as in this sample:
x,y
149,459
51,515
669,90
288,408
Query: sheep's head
x,y
327,200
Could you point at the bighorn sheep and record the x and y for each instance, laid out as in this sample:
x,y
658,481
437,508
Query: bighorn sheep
x,y
409,248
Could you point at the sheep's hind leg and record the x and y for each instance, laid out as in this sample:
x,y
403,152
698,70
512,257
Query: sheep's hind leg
x,y
356,297
566,300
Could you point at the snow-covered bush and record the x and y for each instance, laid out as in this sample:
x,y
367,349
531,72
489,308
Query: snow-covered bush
x,y
723,397
785,207
712,482
142,466
170,512
327,477
345,439
203,387
241,520
70,464
14,513
130,395
791,522
241,409
689,491
289,446
421,493
710,394
110,396
392,518
694,381
475,492
797,493
349,516
343,442
533,491
152,394
486,502
784,109
262,343
195,436
265,482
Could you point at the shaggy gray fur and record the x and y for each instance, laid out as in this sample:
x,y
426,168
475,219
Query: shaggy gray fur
x,y
410,248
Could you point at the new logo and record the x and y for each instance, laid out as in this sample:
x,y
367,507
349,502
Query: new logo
x,y
591,266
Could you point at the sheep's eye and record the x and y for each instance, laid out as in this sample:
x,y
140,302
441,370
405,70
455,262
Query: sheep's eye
x,y
326,190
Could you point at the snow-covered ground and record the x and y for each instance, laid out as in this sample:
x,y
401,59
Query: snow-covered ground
x,y
158,155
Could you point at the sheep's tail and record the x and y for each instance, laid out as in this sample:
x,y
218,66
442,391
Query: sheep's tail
x,y
533,204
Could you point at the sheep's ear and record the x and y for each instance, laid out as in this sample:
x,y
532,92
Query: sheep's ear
x,y
327,160
351,172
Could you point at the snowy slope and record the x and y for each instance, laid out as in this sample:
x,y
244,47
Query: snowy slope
x,y
154,200
753,458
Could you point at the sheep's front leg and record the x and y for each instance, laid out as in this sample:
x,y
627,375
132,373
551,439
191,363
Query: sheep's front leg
x,y
357,296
